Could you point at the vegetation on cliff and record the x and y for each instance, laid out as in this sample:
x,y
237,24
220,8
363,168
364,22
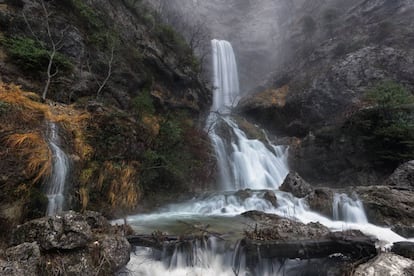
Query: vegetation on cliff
x,y
386,128
125,91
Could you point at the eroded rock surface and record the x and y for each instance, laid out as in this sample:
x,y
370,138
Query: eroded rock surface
x,y
296,185
386,264
70,243
403,176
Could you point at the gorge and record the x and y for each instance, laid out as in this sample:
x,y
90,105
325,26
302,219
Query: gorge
x,y
243,164
235,137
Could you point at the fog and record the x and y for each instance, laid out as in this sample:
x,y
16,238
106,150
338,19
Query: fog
x,y
265,34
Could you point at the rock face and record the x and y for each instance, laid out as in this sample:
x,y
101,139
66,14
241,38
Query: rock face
x,y
323,81
403,176
320,200
295,185
387,206
73,243
386,264
152,88
405,249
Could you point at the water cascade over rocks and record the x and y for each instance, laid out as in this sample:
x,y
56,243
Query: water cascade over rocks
x,y
247,164
348,209
55,184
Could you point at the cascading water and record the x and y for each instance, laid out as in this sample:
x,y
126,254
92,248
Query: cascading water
x,y
243,164
55,184
348,209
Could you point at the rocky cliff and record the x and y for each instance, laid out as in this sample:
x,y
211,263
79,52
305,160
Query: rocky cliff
x,y
335,54
125,91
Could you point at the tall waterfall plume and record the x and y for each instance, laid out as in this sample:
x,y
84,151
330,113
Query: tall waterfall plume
x,y
55,185
225,76
243,162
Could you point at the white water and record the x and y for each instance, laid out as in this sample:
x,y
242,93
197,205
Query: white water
x,y
55,184
242,163
348,209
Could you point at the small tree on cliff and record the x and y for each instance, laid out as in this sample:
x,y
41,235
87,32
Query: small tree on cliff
x,y
53,44
387,127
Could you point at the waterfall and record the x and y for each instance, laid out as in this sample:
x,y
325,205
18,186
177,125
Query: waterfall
x,y
225,77
248,164
242,162
348,209
55,184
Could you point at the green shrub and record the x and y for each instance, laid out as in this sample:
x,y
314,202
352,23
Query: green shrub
x,y
387,128
389,94
143,104
32,57
89,17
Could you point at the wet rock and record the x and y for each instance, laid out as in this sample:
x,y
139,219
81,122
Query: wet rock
x,y
73,243
385,264
244,194
387,206
403,176
273,227
403,230
21,260
271,197
405,249
115,250
320,200
295,185
66,231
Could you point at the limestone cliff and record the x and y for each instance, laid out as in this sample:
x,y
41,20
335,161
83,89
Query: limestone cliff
x,y
125,91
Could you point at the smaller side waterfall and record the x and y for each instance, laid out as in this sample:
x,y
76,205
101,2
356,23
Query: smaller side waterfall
x,y
55,184
348,209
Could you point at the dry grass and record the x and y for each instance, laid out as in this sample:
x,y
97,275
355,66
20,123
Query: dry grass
x,y
151,124
33,150
25,121
84,197
119,181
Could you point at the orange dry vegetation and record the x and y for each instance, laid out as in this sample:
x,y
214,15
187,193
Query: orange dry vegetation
x,y
119,181
32,148
272,97
23,123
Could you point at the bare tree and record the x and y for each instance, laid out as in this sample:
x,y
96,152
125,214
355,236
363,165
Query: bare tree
x,y
54,45
109,63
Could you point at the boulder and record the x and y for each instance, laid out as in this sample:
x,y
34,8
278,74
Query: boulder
x,y
295,185
70,243
271,197
388,206
274,227
403,176
403,230
244,194
385,264
320,200
21,260
405,249
67,231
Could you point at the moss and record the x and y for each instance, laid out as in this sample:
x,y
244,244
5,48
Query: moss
x,y
32,57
